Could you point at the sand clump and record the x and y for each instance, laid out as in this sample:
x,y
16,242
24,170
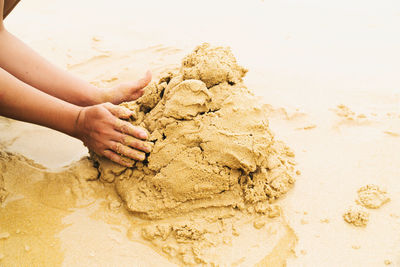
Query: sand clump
x,y
214,158
368,197
372,197
356,215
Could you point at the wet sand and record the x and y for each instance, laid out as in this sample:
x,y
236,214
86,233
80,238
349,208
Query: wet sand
x,y
305,60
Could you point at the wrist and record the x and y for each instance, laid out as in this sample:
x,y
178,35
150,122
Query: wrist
x,y
99,96
93,96
106,95
76,116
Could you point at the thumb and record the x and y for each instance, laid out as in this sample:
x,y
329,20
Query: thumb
x,y
132,90
143,82
119,111
136,88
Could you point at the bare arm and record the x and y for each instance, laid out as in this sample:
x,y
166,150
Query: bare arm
x,y
100,127
22,102
33,90
22,62
25,64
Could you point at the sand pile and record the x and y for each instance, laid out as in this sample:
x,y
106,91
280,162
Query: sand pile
x,y
370,196
212,143
356,215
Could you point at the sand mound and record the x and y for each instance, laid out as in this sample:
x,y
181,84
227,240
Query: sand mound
x,y
356,215
372,197
212,143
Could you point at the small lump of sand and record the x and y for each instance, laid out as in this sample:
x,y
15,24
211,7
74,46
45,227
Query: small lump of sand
x,y
356,215
258,224
4,235
387,262
212,65
372,197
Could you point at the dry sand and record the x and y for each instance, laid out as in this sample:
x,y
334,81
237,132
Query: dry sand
x,y
330,76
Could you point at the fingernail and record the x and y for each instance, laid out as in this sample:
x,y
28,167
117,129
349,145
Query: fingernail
x,y
148,149
143,134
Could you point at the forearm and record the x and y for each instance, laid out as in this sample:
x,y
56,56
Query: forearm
x,y
25,64
20,101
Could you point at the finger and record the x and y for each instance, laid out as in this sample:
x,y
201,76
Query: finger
x,y
127,128
117,158
119,111
142,83
135,143
127,151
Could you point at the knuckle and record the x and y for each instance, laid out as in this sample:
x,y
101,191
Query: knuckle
x,y
113,157
98,108
141,145
107,154
118,109
102,131
122,138
148,146
128,128
130,141
137,144
118,124
114,146
125,127
136,130
99,112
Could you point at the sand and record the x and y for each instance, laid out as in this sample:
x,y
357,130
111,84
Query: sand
x,y
212,144
311,75
214,164
356,215
372,196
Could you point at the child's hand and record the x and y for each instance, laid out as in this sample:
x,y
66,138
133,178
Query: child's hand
x,y
101,129
127,91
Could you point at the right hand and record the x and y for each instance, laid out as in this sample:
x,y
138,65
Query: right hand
x,y
101,129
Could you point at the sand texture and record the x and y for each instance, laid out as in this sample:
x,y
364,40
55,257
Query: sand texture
x,y
212,143
356,215
372,197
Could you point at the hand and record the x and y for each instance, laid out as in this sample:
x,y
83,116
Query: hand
x,y
101,129
127,91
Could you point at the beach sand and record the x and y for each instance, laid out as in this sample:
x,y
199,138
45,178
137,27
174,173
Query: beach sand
x,y
327,71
